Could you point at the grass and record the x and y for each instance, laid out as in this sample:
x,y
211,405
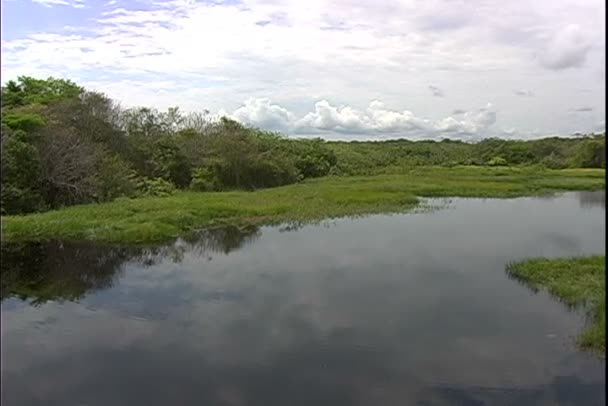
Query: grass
x,y
155,219
575,281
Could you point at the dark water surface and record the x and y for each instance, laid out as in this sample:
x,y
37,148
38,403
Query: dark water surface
x,y
411,309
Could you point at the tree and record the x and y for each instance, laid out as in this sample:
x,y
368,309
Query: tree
x,y
591,154
68,164
95,117
27,90
20,174
234,148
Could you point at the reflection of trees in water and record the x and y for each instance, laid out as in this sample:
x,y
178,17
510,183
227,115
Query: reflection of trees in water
x,y
58,271
50,271
563,390
586,199
225,239
202,243
592,199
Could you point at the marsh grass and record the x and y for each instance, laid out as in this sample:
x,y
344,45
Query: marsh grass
x,y
154,219
577,281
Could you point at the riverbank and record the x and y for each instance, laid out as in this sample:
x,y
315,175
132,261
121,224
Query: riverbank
x,y
575,281
146,220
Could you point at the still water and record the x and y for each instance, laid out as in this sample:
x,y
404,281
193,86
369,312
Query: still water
x,y
412,309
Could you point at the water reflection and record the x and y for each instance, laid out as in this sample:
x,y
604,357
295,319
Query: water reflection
x,y
592,198
391,310
565,390
42,272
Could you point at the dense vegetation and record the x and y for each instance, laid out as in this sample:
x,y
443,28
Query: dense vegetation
x,y
361,158
575,281
64,145
151,219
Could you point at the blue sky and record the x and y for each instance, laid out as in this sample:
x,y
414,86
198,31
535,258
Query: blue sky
x,y
339,69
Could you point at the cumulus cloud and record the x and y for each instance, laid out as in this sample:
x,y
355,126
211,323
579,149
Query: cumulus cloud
x,y
331,118
567,49
470,122
375,119
437,92
262,113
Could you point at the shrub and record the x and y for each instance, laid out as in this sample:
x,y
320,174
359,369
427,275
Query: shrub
x,y
498,161
157,187
115,178
553,162
205,180
590,154
15,200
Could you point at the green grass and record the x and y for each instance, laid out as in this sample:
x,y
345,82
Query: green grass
x,y
155,219
575,281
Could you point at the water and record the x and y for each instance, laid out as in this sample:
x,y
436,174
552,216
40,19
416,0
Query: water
x,y
411,309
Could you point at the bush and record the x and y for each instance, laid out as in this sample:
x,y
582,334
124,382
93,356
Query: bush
x,y
205,180
156,187
553,162
115,178
20,201
498,161
272,171
591,154
23,121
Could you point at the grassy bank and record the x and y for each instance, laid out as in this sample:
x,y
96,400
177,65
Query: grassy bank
x,y
155,219
575,281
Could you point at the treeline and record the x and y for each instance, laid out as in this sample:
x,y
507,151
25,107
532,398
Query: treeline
x,y
359,158
65,145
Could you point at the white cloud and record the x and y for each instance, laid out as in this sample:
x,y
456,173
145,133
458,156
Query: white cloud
x,y
51,3
262,113
444,14
375,120
331,118
347,51
471,122
568,49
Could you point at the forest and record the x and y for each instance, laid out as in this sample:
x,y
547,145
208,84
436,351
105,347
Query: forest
x,y
64,145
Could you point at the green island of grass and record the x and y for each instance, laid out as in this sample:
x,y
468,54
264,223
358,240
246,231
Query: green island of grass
x,y
153,219
575,281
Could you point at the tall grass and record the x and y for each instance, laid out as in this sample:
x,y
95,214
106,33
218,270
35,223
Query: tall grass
x,y
575,281
154,218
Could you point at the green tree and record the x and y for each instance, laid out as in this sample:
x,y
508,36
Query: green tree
x,y
20,174
28,90
591,154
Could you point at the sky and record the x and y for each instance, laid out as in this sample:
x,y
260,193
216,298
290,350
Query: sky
x,y
341,69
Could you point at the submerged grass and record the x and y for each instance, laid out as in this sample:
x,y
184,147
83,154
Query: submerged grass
x,y
575,281
155,219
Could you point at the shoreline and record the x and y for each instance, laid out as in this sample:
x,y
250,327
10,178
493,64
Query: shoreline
x,y
157,219
575,281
